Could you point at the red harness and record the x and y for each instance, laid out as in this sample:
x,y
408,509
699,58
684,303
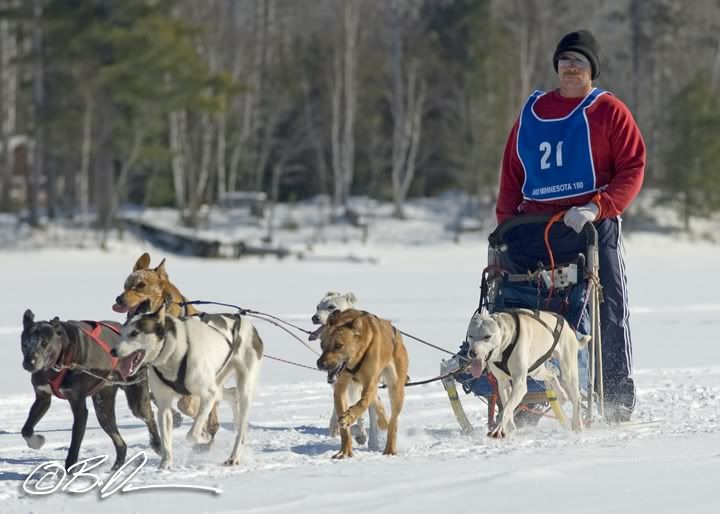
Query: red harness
x,y
94,334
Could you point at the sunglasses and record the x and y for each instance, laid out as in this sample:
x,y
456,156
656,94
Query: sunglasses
x,y
568,62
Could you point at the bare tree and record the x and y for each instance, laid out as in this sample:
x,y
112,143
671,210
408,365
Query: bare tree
x,y
407,104
36,169
344,102
8,101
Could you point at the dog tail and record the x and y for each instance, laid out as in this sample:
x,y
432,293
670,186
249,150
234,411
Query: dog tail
x,y
583,341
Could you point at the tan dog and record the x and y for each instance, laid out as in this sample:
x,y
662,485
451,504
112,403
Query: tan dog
x,y
359,346
155,286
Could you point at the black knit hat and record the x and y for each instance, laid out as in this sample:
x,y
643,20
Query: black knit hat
x,y
581,41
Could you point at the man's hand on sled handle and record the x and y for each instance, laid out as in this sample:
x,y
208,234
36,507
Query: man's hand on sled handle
x,y
576,217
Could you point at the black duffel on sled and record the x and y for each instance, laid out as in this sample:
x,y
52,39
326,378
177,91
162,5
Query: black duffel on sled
x,y
538,263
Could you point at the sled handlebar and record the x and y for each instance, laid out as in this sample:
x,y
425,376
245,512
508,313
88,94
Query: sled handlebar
x,y
497,237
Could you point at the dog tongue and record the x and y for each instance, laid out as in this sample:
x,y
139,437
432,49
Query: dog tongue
x,y
476,368
118,308
123,366
316,334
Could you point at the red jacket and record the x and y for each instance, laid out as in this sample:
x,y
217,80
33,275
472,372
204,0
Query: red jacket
x,y
618,153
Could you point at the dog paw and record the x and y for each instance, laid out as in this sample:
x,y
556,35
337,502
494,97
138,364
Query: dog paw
x,y
359,434
202,448
390,451
189,405
155,445
347,419
496,433
361,439
177,419
202,438
342,454
35,441
232,461
382,422
165,465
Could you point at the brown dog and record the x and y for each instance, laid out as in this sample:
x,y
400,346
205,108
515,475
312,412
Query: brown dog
x,y
359,346
154,285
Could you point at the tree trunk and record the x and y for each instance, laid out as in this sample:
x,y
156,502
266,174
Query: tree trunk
x,y
36,170
274,195
344,104
351,22
85,157
8,83
335,148
178,161
221,151
120,185
315,138
251,97
408,99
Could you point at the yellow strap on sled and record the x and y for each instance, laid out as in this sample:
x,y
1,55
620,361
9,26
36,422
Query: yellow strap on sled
x,y
555,405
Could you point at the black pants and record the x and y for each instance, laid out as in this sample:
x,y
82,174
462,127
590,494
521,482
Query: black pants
x,y
526,247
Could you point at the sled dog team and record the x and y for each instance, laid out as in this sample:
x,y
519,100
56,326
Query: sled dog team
x,y
168,350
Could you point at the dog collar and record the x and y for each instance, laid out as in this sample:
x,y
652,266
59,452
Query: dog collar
x,y
357,366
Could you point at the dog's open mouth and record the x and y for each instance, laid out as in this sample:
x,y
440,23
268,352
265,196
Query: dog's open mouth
x,y
129,365
476,367
333,373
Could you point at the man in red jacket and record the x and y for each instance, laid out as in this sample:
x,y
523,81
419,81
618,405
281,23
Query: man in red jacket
x,y
578,149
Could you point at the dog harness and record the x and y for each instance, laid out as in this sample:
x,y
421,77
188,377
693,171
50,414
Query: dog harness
x,y
178,385
505,357
95,334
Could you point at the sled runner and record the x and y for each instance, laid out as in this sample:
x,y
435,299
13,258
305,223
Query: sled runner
x,y
538,263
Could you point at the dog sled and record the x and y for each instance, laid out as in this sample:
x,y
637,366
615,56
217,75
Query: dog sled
x,y
537,263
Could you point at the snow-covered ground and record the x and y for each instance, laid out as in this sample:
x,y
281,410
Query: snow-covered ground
x,y
429,290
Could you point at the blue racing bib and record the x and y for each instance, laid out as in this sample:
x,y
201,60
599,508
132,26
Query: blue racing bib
x,y
555,153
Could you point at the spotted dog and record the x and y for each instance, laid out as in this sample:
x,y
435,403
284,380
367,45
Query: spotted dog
x,y
190,357
515,345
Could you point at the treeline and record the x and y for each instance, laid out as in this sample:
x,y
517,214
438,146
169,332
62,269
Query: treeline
x,y
179,102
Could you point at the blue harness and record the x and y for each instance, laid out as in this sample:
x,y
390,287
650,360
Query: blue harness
x,y
555,153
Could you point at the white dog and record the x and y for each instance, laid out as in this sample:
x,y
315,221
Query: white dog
x,y
190,356
331,302
516,345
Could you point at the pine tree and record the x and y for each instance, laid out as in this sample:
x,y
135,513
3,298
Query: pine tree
x,y
693,180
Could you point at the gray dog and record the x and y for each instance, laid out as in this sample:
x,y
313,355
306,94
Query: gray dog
x,y
66,359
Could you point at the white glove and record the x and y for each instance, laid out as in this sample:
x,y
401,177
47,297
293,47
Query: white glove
x,y
576,217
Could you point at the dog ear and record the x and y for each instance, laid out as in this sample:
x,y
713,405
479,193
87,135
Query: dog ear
x,y
160,270
28,319
357,326
143,308
350,297
55,321
332,293
333,318
143,262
